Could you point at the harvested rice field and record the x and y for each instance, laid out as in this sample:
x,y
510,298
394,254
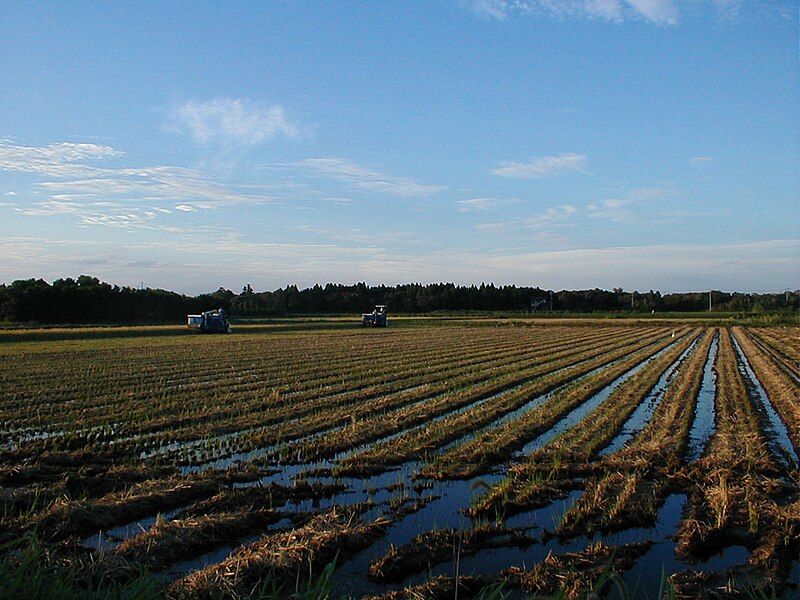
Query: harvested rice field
x,y
510,459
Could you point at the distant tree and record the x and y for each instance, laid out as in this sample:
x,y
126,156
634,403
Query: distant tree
x,y
88,300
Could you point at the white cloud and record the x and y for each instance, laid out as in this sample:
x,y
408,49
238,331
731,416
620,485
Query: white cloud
x,y
64,159
606,9
77,179
493,9
541,166
728,8
184,208
128,219
544,225
232,121
355,236
122,196
338,200
359,177
52,207
623,208
551,223
152,184
660,12
657,11
766,265
725,266
484,204
701,160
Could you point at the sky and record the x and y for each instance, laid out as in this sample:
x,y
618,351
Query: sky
x,y
567,144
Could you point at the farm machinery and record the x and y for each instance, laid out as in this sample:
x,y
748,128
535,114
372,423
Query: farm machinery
x,y
211,321
377,318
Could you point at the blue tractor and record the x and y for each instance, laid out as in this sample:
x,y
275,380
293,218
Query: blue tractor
x,y
377,318
211,321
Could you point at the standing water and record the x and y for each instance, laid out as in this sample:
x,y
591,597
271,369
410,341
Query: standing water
x,y
774,428
703,426
641,416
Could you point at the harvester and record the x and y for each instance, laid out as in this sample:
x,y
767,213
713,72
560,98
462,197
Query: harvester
x,y
211,321
377,318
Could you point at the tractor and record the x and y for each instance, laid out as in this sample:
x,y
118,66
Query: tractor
x,y
211,321
377,318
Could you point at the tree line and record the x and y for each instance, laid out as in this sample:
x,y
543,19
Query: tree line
x,y
88,300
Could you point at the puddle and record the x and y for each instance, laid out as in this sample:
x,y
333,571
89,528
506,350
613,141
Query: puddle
x,y
703,425
108,540
773,427
645,578
577,414
538,400
644,412
350,577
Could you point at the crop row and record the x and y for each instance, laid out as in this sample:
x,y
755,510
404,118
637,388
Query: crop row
x,y
345,417
478,454
461,394
546,472
199,372
261,399
607,410
432,435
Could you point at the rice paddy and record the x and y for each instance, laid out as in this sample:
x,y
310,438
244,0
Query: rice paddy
x,y
432,461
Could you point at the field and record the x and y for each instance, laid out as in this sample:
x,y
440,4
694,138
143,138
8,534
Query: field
x,y
434,460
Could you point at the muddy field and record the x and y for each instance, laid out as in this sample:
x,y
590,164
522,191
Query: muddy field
x,y
554,458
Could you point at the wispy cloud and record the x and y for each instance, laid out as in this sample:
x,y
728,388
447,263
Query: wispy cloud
x,y
744,266
542,166
657,11
358,177
65,159
493,9
701,160
152,184
728,10
660,12
546,225
552,222
182,264
72,185
52,207
484,204
355,236
231,121
623,208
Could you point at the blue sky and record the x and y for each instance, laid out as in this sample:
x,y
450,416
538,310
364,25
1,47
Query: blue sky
x,y
648,144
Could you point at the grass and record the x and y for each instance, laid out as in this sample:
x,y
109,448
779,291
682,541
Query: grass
x,y
29,572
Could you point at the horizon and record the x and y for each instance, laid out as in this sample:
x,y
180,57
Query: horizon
x,y
410,283
562,145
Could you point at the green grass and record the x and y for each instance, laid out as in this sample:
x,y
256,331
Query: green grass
x,y
28,571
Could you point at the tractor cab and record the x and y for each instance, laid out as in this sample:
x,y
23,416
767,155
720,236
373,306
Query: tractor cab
x,y
377,318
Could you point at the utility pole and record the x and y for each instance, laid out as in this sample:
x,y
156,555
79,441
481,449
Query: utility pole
x,y
551,300
709,300
632,300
